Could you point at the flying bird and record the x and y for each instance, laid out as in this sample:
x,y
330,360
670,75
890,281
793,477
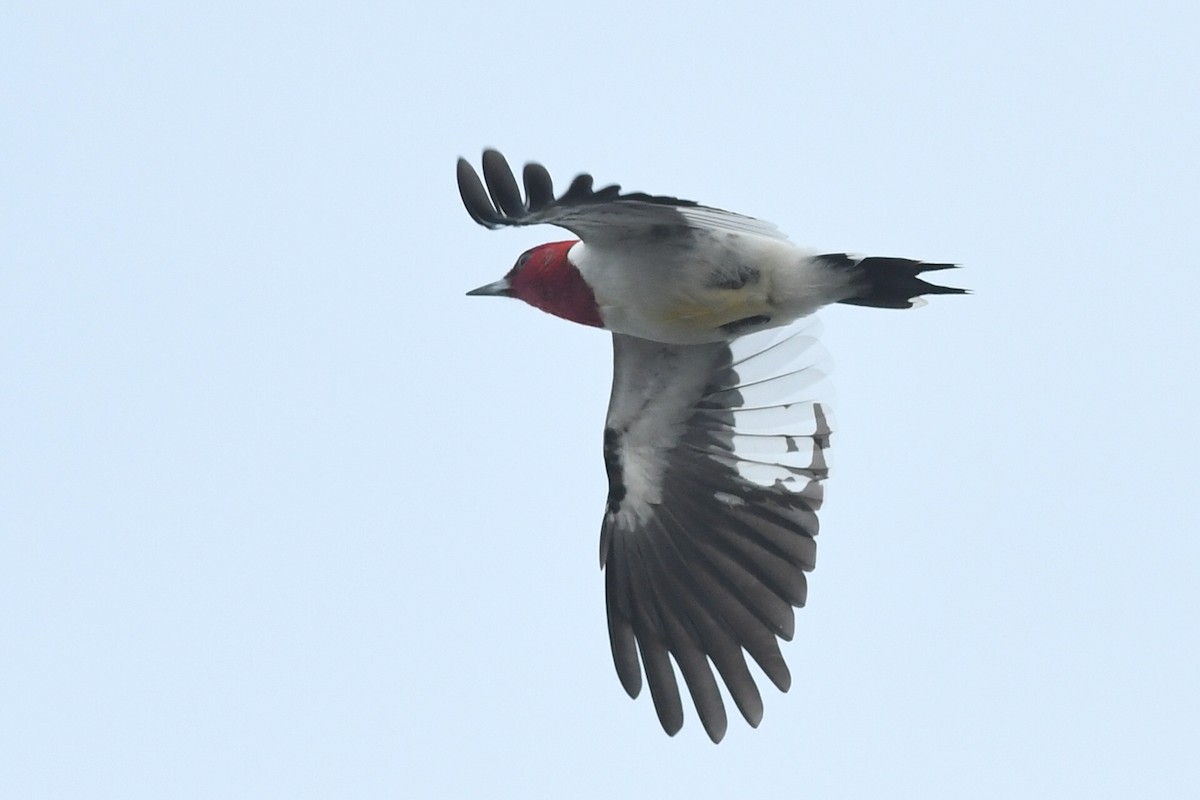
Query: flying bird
x,y
714,441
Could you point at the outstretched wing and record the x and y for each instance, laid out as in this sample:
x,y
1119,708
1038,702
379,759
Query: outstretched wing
x,y
592,215
715,454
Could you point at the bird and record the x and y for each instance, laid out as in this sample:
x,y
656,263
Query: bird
x,y
715,437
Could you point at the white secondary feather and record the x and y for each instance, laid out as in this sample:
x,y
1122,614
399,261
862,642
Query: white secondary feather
x,y
619,220
707,218
763,399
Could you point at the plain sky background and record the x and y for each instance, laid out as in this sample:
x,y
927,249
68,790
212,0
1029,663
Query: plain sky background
x,y
283,514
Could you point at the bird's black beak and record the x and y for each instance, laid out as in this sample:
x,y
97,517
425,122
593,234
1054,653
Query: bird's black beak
x,y
499,288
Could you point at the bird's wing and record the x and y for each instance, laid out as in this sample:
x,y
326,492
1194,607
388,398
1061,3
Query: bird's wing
x,y
594,215
715,457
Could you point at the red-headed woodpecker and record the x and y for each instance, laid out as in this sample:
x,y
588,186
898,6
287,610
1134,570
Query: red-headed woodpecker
x,y
714,443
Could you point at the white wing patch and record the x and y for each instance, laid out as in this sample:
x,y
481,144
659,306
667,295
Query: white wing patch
x,y
781,427
720,220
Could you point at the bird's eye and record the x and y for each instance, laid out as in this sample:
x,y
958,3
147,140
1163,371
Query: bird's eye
x,y
521,261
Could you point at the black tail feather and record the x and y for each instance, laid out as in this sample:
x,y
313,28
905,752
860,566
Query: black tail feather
x,y
882,282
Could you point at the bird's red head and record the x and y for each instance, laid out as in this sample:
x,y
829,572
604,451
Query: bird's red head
x,y
545,278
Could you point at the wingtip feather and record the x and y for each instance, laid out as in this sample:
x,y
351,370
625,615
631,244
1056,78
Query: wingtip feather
x,y
539,186
502,184
474,196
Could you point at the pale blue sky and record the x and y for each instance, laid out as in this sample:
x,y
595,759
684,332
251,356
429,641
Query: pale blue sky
x,y
284,514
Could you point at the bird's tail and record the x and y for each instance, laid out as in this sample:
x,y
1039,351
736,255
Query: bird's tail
x,y
883,282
